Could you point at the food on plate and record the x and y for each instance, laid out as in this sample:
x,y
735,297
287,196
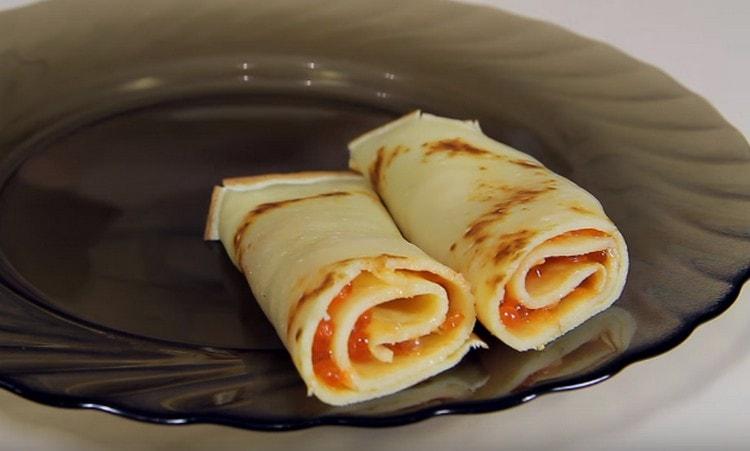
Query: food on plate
x,y
362,312
539,251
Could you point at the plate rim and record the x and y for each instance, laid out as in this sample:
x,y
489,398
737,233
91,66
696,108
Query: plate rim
x,y
601,374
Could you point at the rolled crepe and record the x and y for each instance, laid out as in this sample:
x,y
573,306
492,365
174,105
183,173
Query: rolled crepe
x,y
539,251
362,312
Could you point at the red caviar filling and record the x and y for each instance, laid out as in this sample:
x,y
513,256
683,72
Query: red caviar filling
x,y
323,364
359,341
405,347
515,315
326,368
452,321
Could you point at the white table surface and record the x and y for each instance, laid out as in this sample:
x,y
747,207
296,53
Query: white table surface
x,y
696,396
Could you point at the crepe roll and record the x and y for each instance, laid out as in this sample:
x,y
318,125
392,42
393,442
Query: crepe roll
x,y
362,312
539,251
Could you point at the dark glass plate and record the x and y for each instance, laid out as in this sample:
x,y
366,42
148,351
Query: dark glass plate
x,y
116,118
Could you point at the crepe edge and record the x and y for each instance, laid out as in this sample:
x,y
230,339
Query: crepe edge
x,y
416,115
253,182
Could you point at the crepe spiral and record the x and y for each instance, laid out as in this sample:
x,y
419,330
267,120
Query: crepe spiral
x,y
539,251
362,312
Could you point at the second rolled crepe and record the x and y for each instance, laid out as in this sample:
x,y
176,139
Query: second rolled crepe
x,y
362,312
539,251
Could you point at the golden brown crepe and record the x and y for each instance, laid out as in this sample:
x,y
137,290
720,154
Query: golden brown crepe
x,y
539,251
362,312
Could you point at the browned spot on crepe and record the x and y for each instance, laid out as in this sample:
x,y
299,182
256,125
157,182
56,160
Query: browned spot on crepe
x,y
480,238
376,169
253,214
455,147
512,245
495,186
579,209
396,151
383,159
501,208
387,256
526,164
485,191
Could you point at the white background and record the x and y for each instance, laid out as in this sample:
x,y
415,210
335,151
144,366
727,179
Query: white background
x,y
696,396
